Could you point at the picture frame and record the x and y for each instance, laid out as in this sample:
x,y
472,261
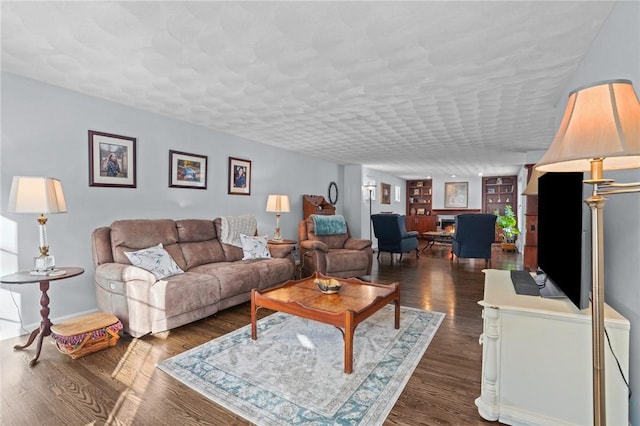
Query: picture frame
x,y
420,211
112,160
239,176
456,195
187,170
385,190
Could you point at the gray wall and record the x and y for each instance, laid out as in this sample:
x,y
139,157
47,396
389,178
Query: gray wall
x,y
616,54
44,133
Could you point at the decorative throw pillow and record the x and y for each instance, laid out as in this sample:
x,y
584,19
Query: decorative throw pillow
x,y
155,260
254,247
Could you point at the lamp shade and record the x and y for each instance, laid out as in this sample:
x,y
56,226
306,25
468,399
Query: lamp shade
x,y
532,186
278,203
36,195
601,121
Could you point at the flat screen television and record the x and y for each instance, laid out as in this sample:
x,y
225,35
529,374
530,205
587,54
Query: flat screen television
x,y
564,248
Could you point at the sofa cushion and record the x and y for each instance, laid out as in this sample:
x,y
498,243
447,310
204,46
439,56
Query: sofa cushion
x,y
254,247
199,242
136,234
183,293
341,260
272,271
195,230
155,260
234,277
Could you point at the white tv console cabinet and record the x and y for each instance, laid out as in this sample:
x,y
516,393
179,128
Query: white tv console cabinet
x,y
536,359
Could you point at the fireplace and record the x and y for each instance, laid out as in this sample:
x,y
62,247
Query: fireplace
x,y
446,222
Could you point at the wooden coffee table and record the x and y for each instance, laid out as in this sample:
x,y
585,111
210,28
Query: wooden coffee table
x,y
433,237
356,301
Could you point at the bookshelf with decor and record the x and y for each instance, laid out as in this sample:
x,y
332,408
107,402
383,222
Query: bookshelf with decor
x,y
419,208
497,193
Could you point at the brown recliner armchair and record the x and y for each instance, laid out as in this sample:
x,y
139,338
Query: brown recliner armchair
x,y
332,251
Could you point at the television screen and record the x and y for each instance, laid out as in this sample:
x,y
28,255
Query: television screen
x,y
563,235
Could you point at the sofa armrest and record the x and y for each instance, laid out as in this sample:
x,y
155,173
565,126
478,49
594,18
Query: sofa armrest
x,y
357,244
314,245
280,250
123,273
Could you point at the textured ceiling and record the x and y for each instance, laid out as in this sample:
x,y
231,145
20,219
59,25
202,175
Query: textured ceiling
x,y
408,88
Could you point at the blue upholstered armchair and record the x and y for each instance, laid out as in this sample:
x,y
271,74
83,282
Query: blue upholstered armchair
x,y
392,235
473,237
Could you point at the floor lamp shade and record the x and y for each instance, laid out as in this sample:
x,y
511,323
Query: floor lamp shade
x,y
601,121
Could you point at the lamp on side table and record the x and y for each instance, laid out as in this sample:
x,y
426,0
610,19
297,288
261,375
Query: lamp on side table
x,y
41,195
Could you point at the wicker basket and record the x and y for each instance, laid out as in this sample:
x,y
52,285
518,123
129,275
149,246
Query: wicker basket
x,y
87,334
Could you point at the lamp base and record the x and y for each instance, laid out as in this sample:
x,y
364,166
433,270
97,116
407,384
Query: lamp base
x,y
44,264
277,236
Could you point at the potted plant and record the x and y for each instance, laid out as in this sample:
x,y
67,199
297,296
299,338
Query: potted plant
x,y
508,224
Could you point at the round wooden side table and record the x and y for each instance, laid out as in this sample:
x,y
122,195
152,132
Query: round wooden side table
x,y
25,277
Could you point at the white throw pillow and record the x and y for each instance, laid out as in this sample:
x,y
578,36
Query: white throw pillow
x,y
155,260
255,247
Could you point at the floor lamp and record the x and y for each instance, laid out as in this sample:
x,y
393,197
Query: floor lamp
x,y
600,131
370,188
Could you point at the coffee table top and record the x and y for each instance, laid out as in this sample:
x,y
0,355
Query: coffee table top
x,y
355,295
438,234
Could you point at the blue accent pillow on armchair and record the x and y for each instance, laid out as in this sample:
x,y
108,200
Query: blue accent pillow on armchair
x,y
329,225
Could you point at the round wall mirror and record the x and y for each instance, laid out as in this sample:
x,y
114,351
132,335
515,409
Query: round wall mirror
x,y
333,193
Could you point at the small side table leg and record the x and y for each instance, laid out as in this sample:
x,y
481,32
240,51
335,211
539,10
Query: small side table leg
x,y
32,337
45,325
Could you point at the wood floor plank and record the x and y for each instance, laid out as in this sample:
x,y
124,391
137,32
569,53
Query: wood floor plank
x,y
122,386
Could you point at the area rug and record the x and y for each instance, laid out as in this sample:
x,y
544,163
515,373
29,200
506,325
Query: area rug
x,y
293,374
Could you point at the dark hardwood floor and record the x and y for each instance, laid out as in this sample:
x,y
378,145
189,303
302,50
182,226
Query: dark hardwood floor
x,y
121,386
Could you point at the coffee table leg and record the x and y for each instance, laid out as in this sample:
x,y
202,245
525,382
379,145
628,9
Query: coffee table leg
x,y
397,319
349,331
254,308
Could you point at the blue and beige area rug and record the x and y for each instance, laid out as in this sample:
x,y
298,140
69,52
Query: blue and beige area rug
x,y
293,374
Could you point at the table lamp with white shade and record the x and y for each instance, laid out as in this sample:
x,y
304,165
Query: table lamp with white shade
x,y
39,195
600,131
278,204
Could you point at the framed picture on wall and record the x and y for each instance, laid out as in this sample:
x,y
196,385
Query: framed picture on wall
x,y
385,190
239,176
456,194
187,170
112,160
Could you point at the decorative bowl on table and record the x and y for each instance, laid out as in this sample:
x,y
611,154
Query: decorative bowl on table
x,y
328,286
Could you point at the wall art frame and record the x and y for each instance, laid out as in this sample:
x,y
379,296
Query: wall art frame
x,y
239,176
385,191
456,195
112,160
187,170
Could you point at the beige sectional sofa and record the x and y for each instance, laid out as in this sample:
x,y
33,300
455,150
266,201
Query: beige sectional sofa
x,y
215,276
